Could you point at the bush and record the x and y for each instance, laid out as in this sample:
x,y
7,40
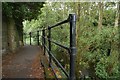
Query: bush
x,y
99,48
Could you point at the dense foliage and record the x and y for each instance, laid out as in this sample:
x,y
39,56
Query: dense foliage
x,y
21,10
97,48
18,12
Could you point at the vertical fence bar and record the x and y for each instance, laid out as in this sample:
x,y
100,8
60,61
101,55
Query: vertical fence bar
x,y
72,18
24,36
38,38
25,39
49,44
44,40
30,37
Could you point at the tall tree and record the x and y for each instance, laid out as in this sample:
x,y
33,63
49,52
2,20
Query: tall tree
x,y
119,31
100,6
117,15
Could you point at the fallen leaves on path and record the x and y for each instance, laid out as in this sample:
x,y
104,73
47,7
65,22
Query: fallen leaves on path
x,y
37,70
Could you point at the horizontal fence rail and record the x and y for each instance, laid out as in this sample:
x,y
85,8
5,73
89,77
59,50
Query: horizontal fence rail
x,y
57,62
63,46
72,49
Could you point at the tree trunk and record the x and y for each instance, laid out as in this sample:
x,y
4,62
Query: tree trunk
x,y
12,36
77,8
19,29
119,31
117,15
100,6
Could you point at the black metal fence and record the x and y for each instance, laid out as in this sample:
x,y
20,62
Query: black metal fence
x,y
72,49
30,35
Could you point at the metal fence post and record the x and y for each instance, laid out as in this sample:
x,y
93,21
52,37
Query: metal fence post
x,y
72,18
49,44
24,38
30,37
43,37
38,37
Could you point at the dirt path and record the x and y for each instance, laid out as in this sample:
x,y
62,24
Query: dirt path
x,y
23,64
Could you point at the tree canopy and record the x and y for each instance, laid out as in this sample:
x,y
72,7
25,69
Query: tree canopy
x,y
22,10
